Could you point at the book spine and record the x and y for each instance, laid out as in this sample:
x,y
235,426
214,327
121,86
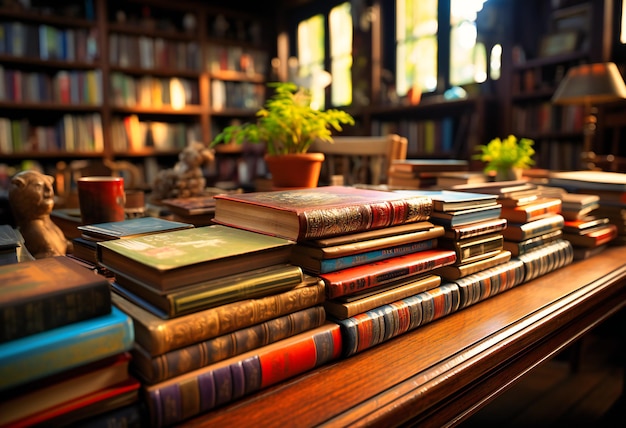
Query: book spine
x,y
462,233
322,223
351,280
535,227
54,310
489,282
331,265
378,325
202,390
183,331
547,258
62,348
179,361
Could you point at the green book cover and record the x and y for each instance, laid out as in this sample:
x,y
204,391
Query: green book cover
x,y
170,260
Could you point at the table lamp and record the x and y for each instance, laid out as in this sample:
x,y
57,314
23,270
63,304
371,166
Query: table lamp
x,y
590,85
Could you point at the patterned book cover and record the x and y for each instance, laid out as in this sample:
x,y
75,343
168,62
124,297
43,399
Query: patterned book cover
x,y
170,260
319,212
547,258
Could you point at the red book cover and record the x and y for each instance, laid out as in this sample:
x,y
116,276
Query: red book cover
x,y
319,212
359,278
594,238
531,211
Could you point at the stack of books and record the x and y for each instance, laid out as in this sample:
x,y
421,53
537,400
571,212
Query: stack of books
x,y
534,226
374,251
197,210
589,233
64,349
218,310
421,173
610,187
85,245
12,246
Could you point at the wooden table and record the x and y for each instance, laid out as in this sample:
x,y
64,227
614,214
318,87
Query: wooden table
x,y
443,372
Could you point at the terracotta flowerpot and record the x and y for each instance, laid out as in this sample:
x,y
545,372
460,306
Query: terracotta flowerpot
x,y
295,170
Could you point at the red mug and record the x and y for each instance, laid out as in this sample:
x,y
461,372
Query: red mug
x,y
101,199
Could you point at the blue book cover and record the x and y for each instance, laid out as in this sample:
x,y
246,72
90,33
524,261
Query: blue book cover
x,y
466,216
131,228
43,354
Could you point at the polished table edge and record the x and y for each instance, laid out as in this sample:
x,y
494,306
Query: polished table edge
x,y
442,372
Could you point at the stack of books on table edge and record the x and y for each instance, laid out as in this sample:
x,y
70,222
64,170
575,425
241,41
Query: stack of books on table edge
x,y
64,350
374,251
215,307
421,173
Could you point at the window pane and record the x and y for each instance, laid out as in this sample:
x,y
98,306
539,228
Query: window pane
x,y
340,23
311,54
416,48
468,62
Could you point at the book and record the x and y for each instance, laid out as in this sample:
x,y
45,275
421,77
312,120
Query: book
x,y
532,210
475,229
447,179
454,272
503,189
489,282
593,237
52,351
12,245
315,265
360,278
582,253
583,225
43,294
520,198
130,228
169,402
153,369
191,206
158,336
449,200
171,260
368,329
574,181
522,231
521,247
319,212
214,292
579,201
363,238
475,248
449,219
347,306
429,165
346,246
45,394
547,258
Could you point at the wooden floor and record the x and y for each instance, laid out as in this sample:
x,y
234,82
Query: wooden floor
x,y
553,395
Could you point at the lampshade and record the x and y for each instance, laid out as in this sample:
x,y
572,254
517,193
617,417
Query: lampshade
x,y
591,84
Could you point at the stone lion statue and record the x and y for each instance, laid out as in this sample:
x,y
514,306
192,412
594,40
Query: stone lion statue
x,y
31,197
186,178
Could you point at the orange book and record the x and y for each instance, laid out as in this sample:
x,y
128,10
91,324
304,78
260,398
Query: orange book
x,y
531,211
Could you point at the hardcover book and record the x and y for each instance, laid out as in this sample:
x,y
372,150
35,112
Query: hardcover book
x,y
171,260
368,329
489,282
158,336
201,390
44,395
583,225
429,165
43,294
475,229
547,258
522,247
449,200
599,235
348,306
191,206
503,189
473,249
53,351
531,211
208,294
154,369
522,231
130,228
360,278
462,217
316,265
588,180
348,248
319,212
454,272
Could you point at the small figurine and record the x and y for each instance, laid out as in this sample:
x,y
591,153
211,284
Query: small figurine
x,y
186,179
31,197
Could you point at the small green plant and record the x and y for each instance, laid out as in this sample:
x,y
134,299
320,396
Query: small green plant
x,y
287,124
503,155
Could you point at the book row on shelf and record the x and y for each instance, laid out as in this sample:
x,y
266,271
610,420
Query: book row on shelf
x,y
153,92
190,313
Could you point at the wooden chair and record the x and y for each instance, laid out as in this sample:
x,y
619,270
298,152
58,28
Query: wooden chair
x,y
359,160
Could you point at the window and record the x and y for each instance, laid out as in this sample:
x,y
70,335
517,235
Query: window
x,y
340,21
419,44
311,56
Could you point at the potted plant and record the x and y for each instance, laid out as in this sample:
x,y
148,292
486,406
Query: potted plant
x,y
288,125
507,158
